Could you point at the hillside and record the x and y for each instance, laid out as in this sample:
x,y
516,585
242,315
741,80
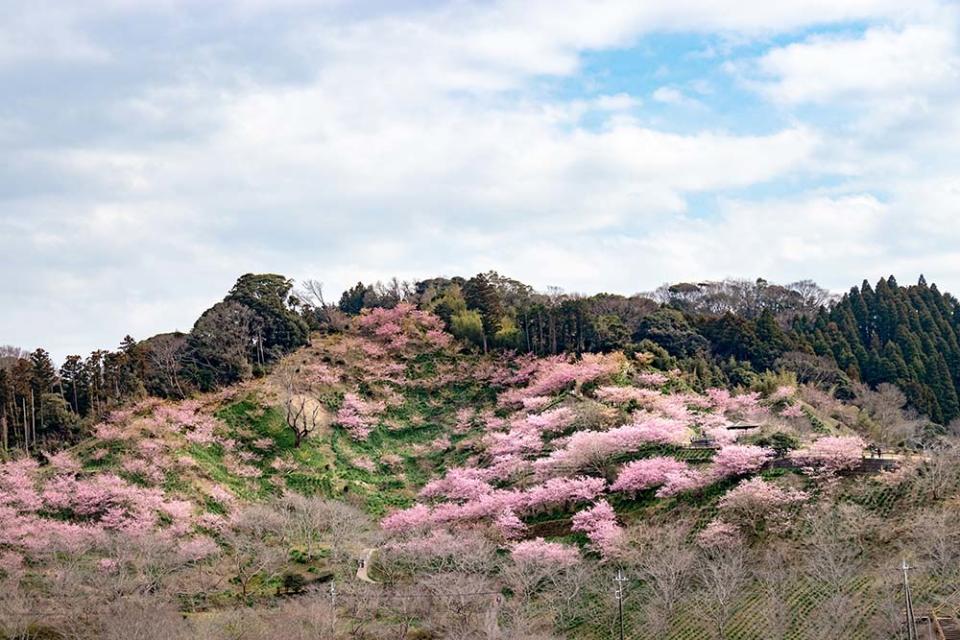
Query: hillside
x,y
489,496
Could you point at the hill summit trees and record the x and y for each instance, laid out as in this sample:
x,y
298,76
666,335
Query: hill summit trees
x,y
719,333
907,336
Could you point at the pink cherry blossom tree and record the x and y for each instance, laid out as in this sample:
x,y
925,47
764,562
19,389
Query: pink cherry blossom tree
x,y
553,555
740,459
648,473
599,523
358,416
755,502
832,454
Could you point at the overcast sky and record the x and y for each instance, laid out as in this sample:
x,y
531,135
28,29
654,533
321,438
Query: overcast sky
x,y
151,152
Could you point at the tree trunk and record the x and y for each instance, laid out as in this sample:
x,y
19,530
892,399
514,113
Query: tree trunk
x,y
553,334
541,349
33,417
176,383
26,426
526,328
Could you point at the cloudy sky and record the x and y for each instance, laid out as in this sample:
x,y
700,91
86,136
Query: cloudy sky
x,y
150,152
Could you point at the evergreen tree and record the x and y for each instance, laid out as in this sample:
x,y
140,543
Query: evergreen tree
x,y
43,374
482,297
74,384
351,301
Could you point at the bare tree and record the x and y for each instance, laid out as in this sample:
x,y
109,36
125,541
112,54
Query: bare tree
x,y
889,421
835,540
303,416
722,575
311,292
665,562
938,473
252,543
9,354
462,606
142,618
774,578
345,530
251,558
303,412
165,353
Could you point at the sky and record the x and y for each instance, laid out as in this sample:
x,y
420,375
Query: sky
x,y
151,152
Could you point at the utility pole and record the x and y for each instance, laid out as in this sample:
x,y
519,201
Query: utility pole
x,y
333,608
908,598
620,580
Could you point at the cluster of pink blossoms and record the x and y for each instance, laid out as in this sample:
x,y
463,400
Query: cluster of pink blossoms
x,y
465,418
651,379
538,552
358,416
792,411
321,374
186,416
719,535
558,373
739,459
832,454
626,395
584,449
755,499
402,325
526,432
44,513
509,369
648,473
675,477
459,484
509,525
560,492
599,523
683,481
477,501
782,394
723,401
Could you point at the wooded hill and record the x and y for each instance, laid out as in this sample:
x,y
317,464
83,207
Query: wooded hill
x,y
722,333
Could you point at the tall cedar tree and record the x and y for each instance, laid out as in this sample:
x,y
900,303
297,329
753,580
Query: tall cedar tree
x,y
482,296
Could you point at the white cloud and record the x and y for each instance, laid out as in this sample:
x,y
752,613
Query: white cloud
x,y
370,140
883,62
676,97
46,33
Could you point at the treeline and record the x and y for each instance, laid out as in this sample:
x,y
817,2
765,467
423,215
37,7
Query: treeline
x,y
258,321
908,336
721,333
712,329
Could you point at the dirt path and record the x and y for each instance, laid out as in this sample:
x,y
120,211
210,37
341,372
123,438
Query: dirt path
x,y
362,574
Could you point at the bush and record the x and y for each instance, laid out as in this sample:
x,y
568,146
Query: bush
x,y
293,582
780,442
